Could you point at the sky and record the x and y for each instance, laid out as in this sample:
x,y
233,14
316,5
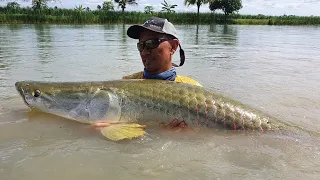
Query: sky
x,y
254,7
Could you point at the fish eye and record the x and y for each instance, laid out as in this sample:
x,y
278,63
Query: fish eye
x,y
36,93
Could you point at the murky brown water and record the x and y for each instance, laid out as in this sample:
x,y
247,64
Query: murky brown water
x,y
275,69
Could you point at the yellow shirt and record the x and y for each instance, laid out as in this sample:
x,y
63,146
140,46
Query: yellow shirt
x,y
182,79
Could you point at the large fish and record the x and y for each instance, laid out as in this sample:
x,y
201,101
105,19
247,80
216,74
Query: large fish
x,y
124,106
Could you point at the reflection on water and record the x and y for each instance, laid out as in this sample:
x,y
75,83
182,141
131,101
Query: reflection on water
x,y
127,50
124,33
44,36
109,26
14,27
197,35
4,53
8,45
109,30
274,69
44,43
124,44
224,34
78,26
231,30
212,28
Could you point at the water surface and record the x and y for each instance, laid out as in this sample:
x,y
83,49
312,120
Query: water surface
x,y
272,68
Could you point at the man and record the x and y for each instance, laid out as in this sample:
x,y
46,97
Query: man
x,y
158,41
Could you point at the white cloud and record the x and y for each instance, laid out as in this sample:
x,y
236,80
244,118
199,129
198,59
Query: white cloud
x,y
311,1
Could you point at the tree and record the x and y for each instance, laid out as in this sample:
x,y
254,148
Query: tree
x,y
39,4
13,5
123,3
168,7
227,6
148,9
79,8
108,6
197,2
98,7
215,4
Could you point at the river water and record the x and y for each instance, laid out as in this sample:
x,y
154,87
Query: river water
x,y
272,68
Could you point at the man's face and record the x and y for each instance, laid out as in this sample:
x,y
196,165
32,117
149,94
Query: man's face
x,y
157,60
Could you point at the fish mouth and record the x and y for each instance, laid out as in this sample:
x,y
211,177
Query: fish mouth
x,y
21,92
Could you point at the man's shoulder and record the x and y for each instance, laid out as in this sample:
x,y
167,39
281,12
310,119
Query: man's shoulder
x,y
188,80
137,75
181,79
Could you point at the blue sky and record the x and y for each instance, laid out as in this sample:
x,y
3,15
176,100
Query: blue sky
x,y
266,7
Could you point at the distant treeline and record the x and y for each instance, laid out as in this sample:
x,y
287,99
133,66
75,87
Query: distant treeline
x,y
70,16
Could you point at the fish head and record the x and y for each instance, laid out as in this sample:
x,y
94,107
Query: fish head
x,y
29,92
53,98
76,101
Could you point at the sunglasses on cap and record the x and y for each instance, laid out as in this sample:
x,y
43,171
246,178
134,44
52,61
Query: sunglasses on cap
x,y
151,43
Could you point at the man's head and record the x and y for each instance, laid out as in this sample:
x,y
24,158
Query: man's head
x,y
158,42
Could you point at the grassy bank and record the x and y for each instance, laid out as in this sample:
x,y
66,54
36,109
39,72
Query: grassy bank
x,y
69,16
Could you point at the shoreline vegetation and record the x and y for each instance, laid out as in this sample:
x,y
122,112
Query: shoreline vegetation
x,y
74,16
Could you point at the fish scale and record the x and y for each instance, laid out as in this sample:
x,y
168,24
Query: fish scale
x,y
189,103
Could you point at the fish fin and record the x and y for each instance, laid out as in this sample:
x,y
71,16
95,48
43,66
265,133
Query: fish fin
x,y
118,132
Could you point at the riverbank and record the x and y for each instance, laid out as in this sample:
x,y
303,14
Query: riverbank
x,y
69,16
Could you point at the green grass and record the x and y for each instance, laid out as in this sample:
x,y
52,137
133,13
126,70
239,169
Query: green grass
x,y
70,16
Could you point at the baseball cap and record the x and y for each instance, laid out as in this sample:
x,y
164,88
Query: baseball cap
x,y
159,25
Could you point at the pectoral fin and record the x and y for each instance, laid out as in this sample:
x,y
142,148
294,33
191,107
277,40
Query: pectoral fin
x,y
118,132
